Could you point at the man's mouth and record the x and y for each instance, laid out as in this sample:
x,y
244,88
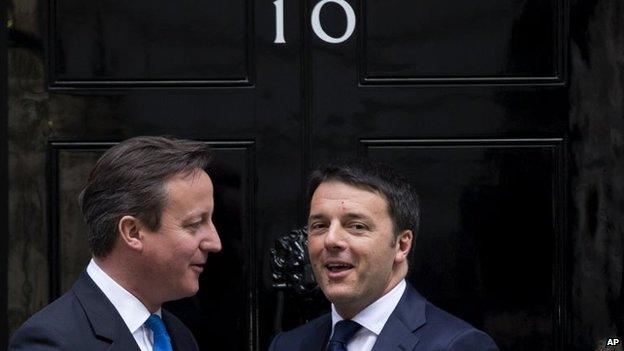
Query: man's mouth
x,y
338,267
198,267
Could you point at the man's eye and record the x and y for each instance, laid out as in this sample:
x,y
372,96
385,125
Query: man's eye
x,y
359,226
316,226
194,225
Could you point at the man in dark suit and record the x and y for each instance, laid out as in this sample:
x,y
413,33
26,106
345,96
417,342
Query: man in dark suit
x,y
148,204
363,219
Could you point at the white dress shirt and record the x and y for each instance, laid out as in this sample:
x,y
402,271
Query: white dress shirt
x,y
372,319
132,311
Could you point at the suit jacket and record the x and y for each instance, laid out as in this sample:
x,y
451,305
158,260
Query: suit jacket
x,y
84,319
414,325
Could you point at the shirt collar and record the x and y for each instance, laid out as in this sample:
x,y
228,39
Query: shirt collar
x,y
132,311
375,316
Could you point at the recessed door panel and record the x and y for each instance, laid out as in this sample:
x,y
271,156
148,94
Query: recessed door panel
x,y
490,237
151,42
457,41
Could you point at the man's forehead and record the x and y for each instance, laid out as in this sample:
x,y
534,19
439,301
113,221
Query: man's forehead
x,y
184,187
348,196
356,187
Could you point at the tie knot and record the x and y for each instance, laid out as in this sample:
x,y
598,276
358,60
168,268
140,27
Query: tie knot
x,y
344,331
156,324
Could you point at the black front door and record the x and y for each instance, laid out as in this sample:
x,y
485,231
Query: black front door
x,y
469,99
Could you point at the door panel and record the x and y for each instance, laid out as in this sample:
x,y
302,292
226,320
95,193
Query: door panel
x,y
490,240
458,42
151,43
69,169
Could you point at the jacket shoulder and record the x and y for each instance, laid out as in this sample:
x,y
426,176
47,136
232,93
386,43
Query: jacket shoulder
x,y
63,322
292,339
446,321
458,335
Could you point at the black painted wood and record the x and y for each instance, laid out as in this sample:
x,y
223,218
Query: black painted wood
x,y
487,206
62,213
150,43
499,42
476,102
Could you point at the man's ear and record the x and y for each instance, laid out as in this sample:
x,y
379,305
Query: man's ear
x,y
404,245
130,230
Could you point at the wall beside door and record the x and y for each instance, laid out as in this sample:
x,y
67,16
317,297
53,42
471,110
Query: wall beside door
x,y
4,208
597,173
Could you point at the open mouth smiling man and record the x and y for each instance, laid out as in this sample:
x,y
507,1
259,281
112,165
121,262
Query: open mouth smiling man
x,y
362,223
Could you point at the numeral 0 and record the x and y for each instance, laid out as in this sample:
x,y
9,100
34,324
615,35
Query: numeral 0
x,y
316,21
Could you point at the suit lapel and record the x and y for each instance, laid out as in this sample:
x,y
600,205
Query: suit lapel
x,y
407,317
179,341
106,323
124,342
317,340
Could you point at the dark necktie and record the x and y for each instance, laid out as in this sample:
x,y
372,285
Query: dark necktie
x,y
162,342
343,332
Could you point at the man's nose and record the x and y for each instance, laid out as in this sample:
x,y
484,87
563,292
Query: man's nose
x,y
212,242
335,237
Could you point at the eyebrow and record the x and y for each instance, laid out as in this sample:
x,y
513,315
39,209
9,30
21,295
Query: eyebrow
x,y
316,216
355,215
349,215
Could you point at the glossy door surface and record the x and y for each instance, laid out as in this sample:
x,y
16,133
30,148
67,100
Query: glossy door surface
x,y
505,116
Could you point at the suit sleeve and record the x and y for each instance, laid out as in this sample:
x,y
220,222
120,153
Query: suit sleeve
x,y
472,340
36,337
274,344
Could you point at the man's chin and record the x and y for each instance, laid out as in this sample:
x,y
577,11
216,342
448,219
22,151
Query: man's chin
x,y
193,291
339,295
189,290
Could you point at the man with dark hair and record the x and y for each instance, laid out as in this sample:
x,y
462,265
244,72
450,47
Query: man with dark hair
x,y
148,205
363,220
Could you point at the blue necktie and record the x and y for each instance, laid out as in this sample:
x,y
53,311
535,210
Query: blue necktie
x,y
162,342
343,332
